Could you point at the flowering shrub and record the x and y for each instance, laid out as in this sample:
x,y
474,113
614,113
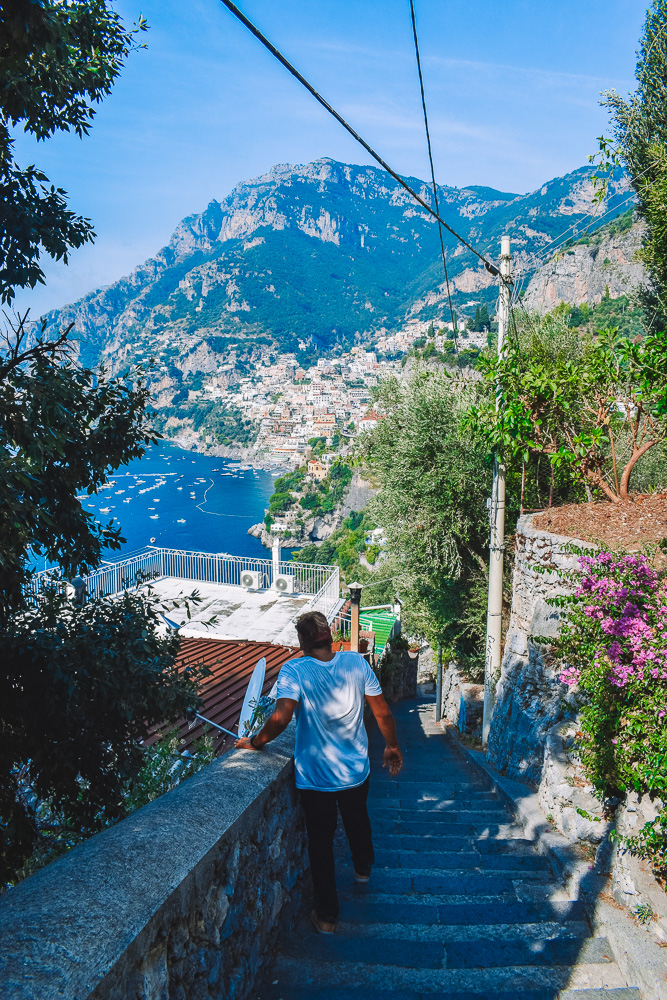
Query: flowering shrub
x,y
613,644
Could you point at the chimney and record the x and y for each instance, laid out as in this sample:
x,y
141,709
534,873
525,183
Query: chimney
x,y
355,601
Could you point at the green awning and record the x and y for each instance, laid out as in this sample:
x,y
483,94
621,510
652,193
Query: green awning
x,y
380,622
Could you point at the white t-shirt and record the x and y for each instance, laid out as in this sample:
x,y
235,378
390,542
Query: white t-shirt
x,y
331,750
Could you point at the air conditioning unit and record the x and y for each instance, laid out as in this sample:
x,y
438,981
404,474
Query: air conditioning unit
x,y
284,583
251,579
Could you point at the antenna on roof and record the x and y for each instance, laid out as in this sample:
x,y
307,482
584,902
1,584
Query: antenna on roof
x,y
251,700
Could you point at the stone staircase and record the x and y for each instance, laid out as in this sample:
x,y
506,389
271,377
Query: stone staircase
x,y
459,907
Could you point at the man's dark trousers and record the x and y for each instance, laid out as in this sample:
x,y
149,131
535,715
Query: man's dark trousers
x,y
321,811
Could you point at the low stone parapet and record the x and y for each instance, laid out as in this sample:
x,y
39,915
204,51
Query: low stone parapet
x,y
184,899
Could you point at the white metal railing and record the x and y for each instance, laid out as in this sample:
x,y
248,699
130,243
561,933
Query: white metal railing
x,y
327,598
206,567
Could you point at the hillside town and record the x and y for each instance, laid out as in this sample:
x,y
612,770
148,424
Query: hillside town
x,y
348,501
331,400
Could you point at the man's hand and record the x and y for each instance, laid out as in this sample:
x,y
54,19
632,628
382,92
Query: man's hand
x,y
393,759
274,725
245,744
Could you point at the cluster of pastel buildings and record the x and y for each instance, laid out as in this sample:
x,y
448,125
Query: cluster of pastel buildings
x,y
331,399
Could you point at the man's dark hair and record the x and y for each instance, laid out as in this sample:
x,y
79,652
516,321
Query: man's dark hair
x,y
314,630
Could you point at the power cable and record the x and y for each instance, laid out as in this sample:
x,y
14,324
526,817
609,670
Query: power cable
x,y
430,159
490,266
549,250
544,251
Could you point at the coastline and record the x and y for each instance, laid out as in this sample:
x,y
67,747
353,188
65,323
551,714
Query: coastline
x,y
248,456
317,529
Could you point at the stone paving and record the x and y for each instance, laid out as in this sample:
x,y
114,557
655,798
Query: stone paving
x,y
459,907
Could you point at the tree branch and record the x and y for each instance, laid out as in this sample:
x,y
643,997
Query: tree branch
x,y
625,478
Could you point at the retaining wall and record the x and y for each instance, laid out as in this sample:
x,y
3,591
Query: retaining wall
x,y
529,697
462,702
183,900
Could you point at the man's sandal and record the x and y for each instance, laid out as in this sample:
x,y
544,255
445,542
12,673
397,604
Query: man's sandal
x,y
321,926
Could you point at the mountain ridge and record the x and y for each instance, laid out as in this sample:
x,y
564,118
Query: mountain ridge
x,y
315,255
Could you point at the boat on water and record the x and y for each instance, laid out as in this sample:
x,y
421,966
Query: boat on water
x,y
105,510
154,517
180,520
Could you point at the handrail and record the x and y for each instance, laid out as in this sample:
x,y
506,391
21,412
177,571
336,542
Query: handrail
x,y
320,581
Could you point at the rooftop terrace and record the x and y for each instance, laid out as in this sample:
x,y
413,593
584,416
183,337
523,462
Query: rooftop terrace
x,y
240,598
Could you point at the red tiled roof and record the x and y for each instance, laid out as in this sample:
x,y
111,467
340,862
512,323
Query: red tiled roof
x,y
231,663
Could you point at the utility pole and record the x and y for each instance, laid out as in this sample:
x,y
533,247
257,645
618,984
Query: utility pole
x,y
494,617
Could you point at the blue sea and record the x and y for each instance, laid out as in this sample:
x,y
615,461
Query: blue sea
x,y
183,500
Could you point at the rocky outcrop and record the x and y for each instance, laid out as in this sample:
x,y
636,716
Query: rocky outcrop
x,y
587,272
259,531
358,495
530,698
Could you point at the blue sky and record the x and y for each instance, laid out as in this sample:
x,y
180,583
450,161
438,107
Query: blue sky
x,y
512,90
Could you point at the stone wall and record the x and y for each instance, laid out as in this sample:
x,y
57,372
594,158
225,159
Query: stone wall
x,y
183,900
462,703
398,671
530,699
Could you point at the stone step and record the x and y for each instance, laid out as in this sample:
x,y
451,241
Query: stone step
x,y
432,876
449,842
380,907
532,886
536,931
446,812
282,991
461,860
490,953
444,826
437,793
534,891
313,971
438,882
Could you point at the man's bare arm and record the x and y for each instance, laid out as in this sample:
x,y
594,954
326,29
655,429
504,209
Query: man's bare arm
x,y
393,758
274,726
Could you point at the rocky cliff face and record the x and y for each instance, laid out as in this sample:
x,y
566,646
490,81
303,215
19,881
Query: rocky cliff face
x,y
588,271
321,253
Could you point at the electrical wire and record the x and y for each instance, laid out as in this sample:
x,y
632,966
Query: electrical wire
x,y
545,250
490,266
545,253
430,159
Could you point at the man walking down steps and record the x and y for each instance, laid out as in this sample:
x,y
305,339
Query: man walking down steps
x,y
327,691
460,905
